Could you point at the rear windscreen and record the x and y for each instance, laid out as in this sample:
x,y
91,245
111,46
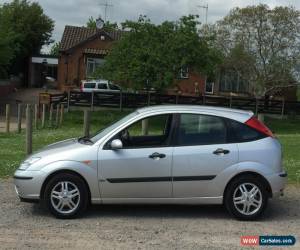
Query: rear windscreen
x,y
89,85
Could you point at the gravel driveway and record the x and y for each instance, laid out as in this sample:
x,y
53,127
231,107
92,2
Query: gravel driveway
x,y
25,226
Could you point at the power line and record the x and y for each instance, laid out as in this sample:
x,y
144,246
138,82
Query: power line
x,y
106,5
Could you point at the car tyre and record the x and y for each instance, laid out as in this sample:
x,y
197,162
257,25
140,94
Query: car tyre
x,y
66,196
246,198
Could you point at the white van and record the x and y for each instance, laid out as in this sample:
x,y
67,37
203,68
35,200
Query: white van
x,y
99,86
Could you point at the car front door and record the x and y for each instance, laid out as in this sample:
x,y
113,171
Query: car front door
x,y
201,152
142,167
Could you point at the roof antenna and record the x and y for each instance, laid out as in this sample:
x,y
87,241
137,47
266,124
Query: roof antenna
x,y
106,5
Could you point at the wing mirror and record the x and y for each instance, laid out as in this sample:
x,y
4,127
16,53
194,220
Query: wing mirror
x,y
116,144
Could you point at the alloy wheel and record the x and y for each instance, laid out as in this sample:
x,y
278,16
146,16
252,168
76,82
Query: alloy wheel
x,y
65,197
247,198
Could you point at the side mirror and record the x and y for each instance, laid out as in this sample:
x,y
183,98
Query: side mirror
x,y
116,144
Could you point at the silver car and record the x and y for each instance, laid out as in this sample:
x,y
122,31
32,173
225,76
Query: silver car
x,y
163,155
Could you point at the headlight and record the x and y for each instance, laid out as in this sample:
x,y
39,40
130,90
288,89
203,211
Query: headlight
x,y
27,163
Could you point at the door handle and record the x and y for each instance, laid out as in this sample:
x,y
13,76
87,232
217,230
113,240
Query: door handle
x,y
157,156
221,151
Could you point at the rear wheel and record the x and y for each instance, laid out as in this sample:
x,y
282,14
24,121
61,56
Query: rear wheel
x,y
66,196
246,198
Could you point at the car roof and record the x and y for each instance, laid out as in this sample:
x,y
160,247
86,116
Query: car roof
x,y
234,114
95,81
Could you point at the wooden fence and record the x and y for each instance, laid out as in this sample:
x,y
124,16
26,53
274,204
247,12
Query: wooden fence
x,y
132,100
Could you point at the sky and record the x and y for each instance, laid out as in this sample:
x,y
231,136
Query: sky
x,y
77,12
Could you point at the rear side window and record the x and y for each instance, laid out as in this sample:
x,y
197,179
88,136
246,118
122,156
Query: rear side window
x,y
102,86
113,87
89,85
240,132
197,129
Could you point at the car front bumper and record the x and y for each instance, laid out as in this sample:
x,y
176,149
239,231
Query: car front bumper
x,y
28,184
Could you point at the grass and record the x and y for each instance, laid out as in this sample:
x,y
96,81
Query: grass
x,y
288,133
13,144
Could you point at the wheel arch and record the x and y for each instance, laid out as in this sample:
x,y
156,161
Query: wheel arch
x,y
63,171
250,173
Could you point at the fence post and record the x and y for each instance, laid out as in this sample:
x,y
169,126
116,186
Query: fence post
x,y
282,107
121,100
28,130
68,103
149,98
61,114
86,123
256,106
261,117
92,101
145,127
43,115
36,114
19,117
50,115
7,118
57,115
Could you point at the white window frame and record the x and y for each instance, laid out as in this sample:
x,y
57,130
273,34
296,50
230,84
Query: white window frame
x,y
94,62
184,74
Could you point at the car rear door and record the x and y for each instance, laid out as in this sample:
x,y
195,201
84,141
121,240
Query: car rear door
x,y
201,152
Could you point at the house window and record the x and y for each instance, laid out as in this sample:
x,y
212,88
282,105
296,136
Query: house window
x,y
209,87
92,65
231,81
184,72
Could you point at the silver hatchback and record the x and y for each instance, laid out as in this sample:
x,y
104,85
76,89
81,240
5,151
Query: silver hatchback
x,y
162,154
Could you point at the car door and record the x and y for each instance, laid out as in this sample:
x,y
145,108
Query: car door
x,y
142,167
200,154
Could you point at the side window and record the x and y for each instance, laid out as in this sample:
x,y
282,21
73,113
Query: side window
x,y
197,129
89,85
102,86
150,132
114,87
239,132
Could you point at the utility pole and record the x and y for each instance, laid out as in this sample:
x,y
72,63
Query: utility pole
x,y
206,11
106,5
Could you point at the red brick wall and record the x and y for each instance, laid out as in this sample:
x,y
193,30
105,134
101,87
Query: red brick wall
x,y
72,66
193,85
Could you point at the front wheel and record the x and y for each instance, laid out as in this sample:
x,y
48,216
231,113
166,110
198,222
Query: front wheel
x,y
66,196
246,198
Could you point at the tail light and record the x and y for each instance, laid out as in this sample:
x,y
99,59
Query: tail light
x,y
81,87
259,126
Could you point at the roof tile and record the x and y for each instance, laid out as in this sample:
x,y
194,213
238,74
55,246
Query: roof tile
x,y
73,35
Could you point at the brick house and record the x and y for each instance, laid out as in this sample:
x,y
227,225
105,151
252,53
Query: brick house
x,y
83,49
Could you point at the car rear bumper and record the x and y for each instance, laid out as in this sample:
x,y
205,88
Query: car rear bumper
x,y
278,182
28,184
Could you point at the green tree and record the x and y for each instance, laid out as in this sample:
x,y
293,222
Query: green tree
x,y
6,49
261,44
31,28
54,51
154,54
